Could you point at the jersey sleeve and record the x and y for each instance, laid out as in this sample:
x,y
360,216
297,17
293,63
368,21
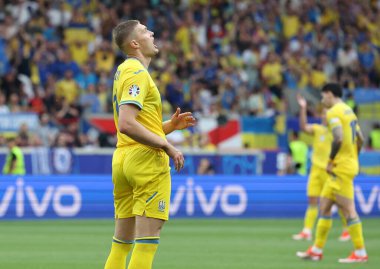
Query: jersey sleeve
x,y
314,127
333,119
135,88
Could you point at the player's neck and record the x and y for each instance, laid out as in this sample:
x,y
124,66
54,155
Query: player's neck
x,y
145,61
337,101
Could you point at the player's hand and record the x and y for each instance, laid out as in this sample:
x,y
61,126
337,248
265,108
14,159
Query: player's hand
x,y
329,168
181,121
176,155
301,101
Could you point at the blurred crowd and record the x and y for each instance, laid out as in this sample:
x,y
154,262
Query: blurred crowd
x,y
218,58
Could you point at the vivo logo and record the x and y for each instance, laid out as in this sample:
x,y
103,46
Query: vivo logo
x,y
367,206
191,192
53,195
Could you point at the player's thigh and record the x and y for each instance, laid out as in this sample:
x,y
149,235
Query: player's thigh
x,y
149,175
325,206
157,205
125,228
345,196
346,186
146,227
317,179
123,194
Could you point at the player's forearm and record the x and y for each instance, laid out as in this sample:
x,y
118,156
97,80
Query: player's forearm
x,y
360,140
139,133
335,146
167,127
303,118
337,141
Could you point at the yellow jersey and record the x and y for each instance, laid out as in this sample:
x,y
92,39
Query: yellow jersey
x,y
346,161
133,85
321,146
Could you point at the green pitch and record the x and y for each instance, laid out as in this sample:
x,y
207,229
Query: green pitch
x,y
185,244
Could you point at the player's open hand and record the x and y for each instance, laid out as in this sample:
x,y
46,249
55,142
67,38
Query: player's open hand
x,y
301,101
181,121
176,155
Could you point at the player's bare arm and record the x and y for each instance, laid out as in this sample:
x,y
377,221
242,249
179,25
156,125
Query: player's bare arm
x,y
360,139
128,125
178,121
304,126
337,133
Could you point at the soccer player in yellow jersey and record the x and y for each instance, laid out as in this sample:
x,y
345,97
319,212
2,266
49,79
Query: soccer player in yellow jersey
x,y
321,149
342,167
140,164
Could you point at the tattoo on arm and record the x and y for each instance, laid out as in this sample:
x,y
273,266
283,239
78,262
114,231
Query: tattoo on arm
x,y
337,141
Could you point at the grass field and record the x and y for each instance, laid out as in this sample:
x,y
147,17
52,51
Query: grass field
x,y
185,244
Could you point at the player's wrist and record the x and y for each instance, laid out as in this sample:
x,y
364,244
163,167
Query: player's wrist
x,y
165,145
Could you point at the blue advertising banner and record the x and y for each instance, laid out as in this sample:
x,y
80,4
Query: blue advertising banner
x,y
33,197
11,122
45,161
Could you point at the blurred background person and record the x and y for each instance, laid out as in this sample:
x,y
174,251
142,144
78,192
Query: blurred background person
x,y
14,162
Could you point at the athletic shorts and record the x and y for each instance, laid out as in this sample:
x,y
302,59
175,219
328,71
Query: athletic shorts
x,y
142,183
317,179
339,184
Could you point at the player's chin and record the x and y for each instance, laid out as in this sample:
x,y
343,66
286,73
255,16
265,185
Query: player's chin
x,y
155,49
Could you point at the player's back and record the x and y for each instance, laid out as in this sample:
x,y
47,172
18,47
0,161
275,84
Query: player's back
x,y
133,85
346,160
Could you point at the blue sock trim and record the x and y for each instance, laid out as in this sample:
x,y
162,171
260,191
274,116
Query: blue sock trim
x,y
325,217
147,241
353,221
122,241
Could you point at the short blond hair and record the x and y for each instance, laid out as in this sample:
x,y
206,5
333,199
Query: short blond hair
x,y
122,32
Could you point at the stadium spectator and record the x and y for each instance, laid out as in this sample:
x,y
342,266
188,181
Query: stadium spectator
x,y
4,109
46,131
205,167
14,162
24,136
90,101
374,137
67,88
299,152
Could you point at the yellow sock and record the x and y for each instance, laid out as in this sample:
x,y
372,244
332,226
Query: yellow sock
x,y
310,217
143,253
356,232
343,219
323,228
118,255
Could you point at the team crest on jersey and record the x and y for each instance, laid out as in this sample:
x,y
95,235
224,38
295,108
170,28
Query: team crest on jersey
x,y
161,205
134,90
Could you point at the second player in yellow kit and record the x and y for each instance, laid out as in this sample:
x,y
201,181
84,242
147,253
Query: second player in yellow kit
x,y
318,175
346,162
342,167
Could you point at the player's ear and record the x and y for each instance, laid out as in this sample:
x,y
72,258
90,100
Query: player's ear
x,y
134,44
